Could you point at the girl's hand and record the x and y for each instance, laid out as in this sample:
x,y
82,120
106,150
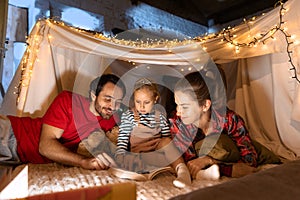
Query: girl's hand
x,y
130,162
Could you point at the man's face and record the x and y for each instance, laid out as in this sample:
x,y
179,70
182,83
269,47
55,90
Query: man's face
x,y
108,100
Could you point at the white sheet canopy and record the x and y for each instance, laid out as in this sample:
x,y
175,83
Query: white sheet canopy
x,y
260,89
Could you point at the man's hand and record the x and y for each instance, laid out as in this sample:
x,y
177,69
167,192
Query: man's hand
x,y
199,163
113,134
102,161
148,145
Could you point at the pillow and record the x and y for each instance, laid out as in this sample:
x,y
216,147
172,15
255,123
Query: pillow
x,y
265,156
223,150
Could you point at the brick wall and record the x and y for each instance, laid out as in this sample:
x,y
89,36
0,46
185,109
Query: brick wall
x,y
106,16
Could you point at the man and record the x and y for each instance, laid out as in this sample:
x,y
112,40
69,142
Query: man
x,y
69,119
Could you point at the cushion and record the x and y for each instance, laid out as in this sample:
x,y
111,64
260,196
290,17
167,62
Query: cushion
x,y
223,150
265,156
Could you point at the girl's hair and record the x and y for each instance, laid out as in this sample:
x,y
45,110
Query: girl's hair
x,y
194,85
98,83
148,84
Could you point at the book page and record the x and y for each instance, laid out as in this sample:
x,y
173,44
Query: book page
x,y
126,174
155,172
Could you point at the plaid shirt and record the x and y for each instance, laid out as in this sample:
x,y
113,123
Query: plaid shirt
x,y
186,136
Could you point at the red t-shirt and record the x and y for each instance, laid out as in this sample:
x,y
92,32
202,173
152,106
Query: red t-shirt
x,y
68,111
27,132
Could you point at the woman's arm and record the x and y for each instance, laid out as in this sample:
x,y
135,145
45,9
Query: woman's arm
x,y
240,135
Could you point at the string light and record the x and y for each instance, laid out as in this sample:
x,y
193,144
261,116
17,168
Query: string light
x,y
227,36
147,43
29,57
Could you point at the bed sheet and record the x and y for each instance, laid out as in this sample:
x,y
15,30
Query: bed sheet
x,y
280,182
48,178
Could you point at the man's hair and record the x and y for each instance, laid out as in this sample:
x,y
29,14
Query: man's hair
x,y
98,83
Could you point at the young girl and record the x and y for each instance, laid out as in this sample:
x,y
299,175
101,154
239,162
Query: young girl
x,y
144,122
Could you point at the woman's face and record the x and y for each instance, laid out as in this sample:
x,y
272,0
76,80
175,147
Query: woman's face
x,y
187,108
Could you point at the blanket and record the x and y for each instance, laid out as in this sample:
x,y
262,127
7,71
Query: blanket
x,y
49,178
280,182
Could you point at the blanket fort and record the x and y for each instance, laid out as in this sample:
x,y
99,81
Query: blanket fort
x,y
60,57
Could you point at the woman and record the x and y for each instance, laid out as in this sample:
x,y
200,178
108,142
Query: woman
x,y
197,120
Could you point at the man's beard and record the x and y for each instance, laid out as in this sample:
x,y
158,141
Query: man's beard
x,y
99,110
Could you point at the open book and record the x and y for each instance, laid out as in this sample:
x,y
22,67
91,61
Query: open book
x,y
144,176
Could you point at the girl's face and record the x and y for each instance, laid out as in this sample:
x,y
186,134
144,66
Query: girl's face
x,y
144,100
187,108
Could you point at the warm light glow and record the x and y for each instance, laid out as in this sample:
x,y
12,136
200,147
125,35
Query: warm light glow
x,y
230,45
265,47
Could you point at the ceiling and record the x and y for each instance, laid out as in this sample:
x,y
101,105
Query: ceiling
x,y
212,12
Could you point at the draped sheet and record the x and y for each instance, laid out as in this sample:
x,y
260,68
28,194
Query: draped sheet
x,y
60,57
264,98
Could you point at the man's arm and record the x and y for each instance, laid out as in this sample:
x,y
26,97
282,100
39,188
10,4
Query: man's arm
x,y
50,147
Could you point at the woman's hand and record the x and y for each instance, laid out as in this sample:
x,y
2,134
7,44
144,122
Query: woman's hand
x,y
198,164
